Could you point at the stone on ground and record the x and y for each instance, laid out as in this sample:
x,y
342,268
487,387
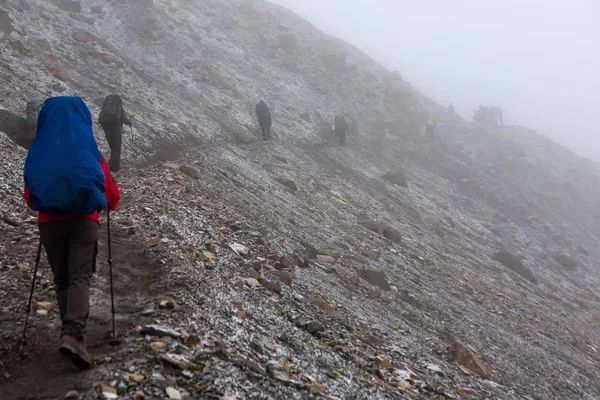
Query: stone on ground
x,y
283,276
375,226
6,23
108,393
160,331
567,261
461,354
326,259
69,5
173,393
190,171
377,278
81,36
514,263
396,178
290,184
393,234
72,395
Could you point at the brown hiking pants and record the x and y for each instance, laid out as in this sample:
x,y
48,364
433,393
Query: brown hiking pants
x,y
114,137
71,246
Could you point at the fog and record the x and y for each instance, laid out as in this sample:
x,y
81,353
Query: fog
x,y
538,59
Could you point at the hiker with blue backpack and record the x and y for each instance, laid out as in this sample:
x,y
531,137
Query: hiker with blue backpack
x,y
68,183
111,119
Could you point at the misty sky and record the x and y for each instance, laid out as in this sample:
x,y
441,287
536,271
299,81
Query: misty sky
x,y
538,59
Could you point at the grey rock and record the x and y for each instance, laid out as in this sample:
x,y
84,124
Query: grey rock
x,y
190,171
158,381
122,388
393,234
272,286
567,261
72,395
396,178
314,327
6,23
177,360
160,331
290,184
68,5
288,42
377,278
375,226
515,264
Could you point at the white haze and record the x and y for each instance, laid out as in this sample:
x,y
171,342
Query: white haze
x,y
538,59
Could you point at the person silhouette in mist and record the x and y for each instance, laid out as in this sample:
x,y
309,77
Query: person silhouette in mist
x,y
263,114
341,129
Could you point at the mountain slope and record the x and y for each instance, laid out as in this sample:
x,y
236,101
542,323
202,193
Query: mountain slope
x,y
190,73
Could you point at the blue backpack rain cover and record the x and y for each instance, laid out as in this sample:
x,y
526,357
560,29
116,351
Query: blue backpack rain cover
x,y
62,169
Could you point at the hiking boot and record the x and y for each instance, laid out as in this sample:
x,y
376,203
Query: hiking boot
x,y
75,350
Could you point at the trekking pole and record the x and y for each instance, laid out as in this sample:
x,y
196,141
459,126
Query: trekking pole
x,y
113,341
35,270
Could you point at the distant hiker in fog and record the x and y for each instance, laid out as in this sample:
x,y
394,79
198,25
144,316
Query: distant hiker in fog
x,y
451,109
341,129
32,110
430,126
111,118
489,115
482,115
493,116
21,129
478,115
263,114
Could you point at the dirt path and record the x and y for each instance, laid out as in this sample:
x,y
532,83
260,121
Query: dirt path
x,y
38,371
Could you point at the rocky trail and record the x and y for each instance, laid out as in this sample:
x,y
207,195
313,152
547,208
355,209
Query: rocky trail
x,y
466,268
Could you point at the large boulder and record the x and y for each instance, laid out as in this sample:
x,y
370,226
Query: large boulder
x,y
69,5
335,63
462,354
396,178
515,264
566,260
15,127
392,234
6,23
81,36
290,184
376,278
288,42
375,226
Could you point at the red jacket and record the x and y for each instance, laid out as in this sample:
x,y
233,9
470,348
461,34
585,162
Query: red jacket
x,y
112,198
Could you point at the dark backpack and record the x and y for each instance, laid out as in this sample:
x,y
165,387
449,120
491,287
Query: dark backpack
x,y
340,124
112,108
32,110
263,110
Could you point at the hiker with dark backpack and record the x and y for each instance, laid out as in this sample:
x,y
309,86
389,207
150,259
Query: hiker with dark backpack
x,y
263,114
111,118
341,129
32,110
68,183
